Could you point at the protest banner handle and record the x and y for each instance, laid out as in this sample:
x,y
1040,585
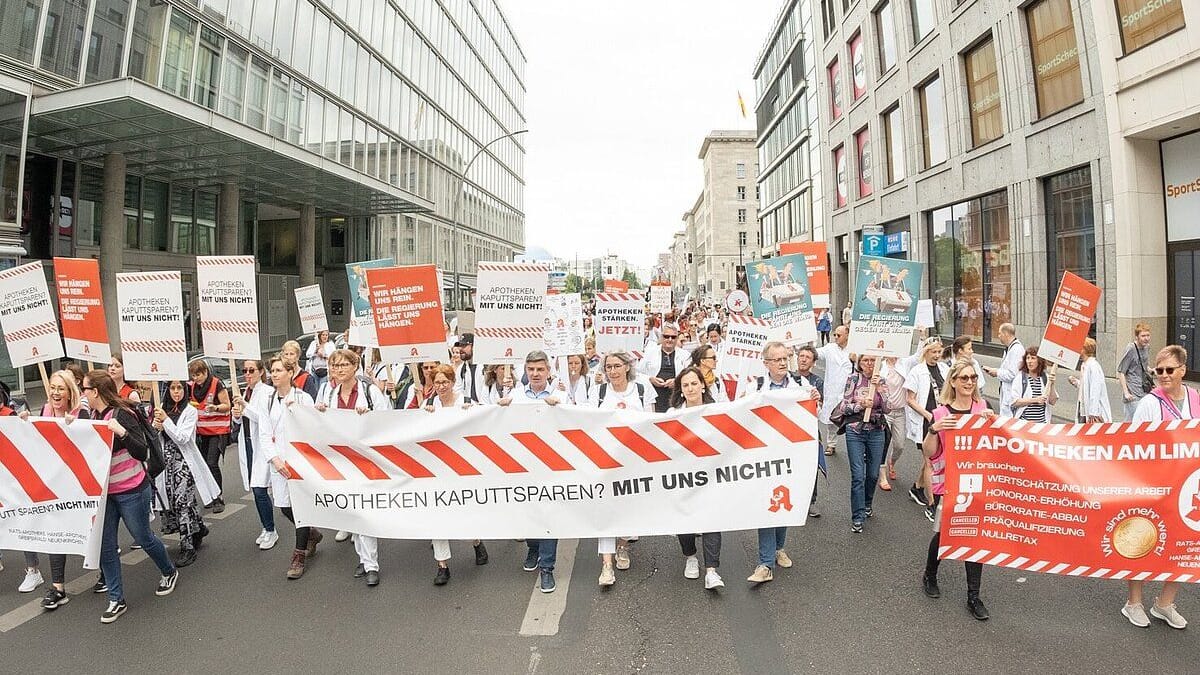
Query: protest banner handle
x,y
90,366
870,402
156,396
237,391
45,378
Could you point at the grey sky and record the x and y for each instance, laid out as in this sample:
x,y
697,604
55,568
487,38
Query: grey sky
x,y
620,97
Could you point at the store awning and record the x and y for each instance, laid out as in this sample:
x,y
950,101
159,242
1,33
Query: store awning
x,y
167,138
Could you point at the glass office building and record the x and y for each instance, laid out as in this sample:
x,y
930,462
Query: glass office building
x,y
309,133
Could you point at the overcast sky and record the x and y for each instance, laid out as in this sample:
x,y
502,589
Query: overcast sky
x,y
620,96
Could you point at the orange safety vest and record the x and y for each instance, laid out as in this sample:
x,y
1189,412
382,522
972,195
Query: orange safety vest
x,y
209,424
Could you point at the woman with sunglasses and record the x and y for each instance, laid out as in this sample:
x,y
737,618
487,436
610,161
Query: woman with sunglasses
x,y
185,474
861,413
1093,403
959,397
704,359
128,491
256,473
1169,400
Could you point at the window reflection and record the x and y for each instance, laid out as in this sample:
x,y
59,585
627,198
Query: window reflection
x,y
971,267
107,42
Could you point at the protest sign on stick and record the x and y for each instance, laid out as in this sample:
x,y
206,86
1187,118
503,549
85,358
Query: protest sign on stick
x,y
150,305
311,306
660,297
620,322
1070,320
228,301
407,308
740,356
563,332
81,310
362,324
885,306
816,262
779,294
510,311
27,317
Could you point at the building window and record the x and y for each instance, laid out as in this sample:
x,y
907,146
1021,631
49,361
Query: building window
x,y
858,65
983,94
862,143
835,90
62,40
1144,21
208,68
971,267
1070,225
181,46
742,235
741,219
885,28
741,170
893,146
933,123
1055,55
828,18
20,21
741,193
839,172
923,18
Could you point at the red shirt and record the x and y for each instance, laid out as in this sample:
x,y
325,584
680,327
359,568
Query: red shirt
x,y
348,404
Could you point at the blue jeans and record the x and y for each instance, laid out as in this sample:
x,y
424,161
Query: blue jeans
x,y
134,509
266,512
865,451
770,540
547,552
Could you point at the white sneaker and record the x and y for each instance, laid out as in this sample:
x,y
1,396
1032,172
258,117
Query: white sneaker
x,y
1169,614
33,579
341,535
1136,614
607,576
691,568
713,580
261,535
268,541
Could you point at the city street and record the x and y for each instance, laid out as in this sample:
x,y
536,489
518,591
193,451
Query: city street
x,y
852,603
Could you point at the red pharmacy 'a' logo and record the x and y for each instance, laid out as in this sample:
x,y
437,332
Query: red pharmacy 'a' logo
x,y
34,352
413,352
508,352
781,499
228,346
154,367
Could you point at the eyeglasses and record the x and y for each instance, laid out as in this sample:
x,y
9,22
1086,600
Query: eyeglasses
x,y
670,337
614,366
708,358
249,370
1167,370
339,365
968,378
782,359
87,389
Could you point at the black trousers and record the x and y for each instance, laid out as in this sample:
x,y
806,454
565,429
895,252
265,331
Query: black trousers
x,y
712,547
212,448
974,569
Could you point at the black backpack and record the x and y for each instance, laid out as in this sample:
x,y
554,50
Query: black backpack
x,y
155,462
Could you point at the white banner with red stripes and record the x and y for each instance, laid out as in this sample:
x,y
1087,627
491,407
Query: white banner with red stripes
x,y
527,471
27,316
228,302
740,355
510,311
1113,501
53,482
150,305
620,322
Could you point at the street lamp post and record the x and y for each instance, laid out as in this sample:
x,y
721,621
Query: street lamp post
x,y
462,184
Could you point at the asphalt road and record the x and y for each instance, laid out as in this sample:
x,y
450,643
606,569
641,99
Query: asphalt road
x,y
852,603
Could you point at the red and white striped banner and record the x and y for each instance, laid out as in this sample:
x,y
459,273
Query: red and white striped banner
x,y
740,354
510,311
53,479
151,320
620,322
228,301
27,316
635,296
1113,501
554,471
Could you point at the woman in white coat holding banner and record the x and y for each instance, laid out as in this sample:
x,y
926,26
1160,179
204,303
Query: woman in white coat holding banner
x,y
256,472
345,391
270,411
186,475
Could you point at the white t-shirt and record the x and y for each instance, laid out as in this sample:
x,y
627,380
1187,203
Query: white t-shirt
x,y
624,400
458,401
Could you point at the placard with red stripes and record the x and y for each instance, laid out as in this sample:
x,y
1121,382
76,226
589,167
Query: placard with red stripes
x,y
1113,501
27,316
740,355
526,471
510,311
620,322
150,305
311,307
53,482
228,299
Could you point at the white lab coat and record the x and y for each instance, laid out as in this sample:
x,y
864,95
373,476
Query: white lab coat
x,y
255,473
183,434
651,362
919,383
1009,370
270,411
1093,395
464,375
837,370
329,393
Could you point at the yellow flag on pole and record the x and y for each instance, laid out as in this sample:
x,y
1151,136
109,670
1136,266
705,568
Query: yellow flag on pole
x,y
742,104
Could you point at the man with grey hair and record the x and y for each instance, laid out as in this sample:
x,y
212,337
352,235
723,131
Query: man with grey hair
x,y
1010,366
661,364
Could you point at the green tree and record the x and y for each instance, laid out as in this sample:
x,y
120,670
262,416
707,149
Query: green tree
x,y
574,283
630,277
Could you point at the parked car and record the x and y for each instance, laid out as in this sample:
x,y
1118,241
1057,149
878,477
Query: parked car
x,y
220,368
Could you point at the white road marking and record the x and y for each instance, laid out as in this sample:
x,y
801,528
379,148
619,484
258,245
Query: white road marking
x,y
545,609
535,659
77,586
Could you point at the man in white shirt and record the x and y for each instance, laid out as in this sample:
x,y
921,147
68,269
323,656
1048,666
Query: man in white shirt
x,y
838,367
541,553
469,378
662,364
1010,366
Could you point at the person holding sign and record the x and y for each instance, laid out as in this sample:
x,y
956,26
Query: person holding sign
x,y
269,409
690,392
208,395
256,473
128,492
185,475
1170,400
344,391
861,416
448,397
959,397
